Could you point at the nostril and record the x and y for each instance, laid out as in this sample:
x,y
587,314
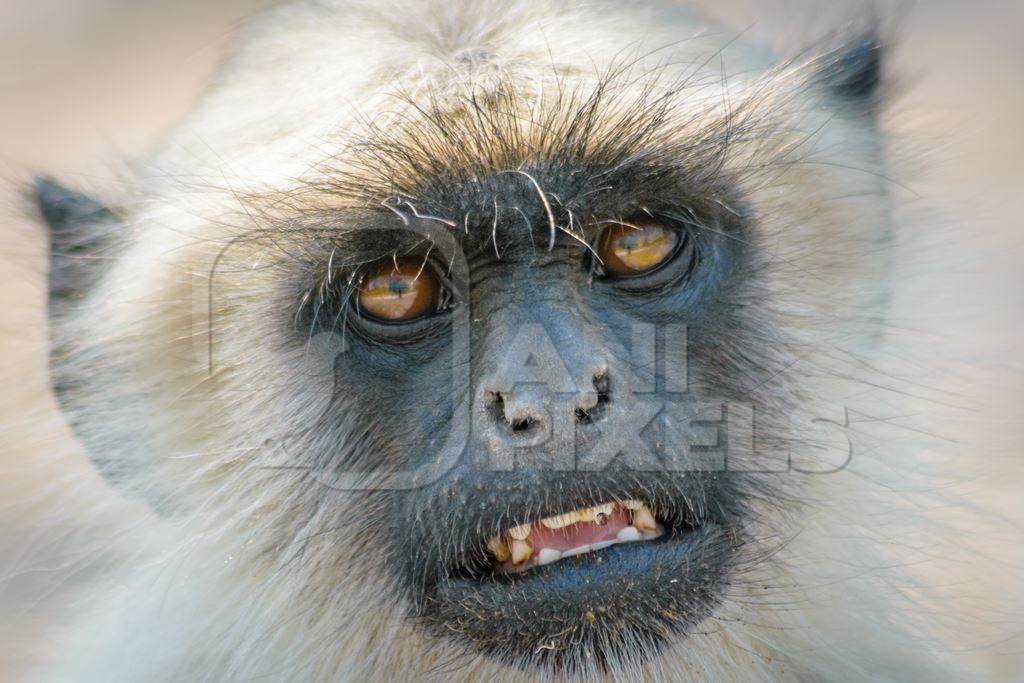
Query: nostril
x,y
513,413
596,404
522,424
603,387
496,406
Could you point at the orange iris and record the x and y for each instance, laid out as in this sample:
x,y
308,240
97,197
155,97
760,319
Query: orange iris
x,y
635,249
399,290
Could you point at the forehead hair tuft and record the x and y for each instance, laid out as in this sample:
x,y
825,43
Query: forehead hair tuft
x,y
450,156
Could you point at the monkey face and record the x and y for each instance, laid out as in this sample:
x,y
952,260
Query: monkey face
x,y
571,411
495,365
575,385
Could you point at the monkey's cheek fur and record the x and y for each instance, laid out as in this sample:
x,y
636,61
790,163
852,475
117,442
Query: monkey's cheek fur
x,y
590,611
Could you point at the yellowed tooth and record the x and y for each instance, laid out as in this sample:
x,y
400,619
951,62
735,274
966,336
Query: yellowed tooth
x,y
643,519
520,532
559,521
631,504
576,516
521,552
499,548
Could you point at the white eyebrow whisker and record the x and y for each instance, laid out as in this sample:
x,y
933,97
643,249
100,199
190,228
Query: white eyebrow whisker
x,y
494,228
330,265
427,217
424,264
387,205
546,204
581,240
622,223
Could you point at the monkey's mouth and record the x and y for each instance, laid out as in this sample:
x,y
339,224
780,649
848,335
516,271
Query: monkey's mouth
x,y
571,591
585,530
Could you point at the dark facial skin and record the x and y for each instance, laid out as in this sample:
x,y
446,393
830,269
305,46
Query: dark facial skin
x,y
563,413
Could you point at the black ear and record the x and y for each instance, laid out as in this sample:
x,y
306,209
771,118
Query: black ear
x,y
81,231
854,71
83,235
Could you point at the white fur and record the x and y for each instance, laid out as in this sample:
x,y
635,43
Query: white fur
x,y
202,601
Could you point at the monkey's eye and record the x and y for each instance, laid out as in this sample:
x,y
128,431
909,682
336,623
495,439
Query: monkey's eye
x,y
398,290
635,248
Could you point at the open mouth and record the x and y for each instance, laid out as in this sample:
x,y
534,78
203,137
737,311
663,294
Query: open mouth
x,y
584,587
585,530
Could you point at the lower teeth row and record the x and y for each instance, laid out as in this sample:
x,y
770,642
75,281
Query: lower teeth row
x,y
626,535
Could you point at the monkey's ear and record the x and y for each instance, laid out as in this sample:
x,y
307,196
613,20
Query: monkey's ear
x,y
854,71
80,235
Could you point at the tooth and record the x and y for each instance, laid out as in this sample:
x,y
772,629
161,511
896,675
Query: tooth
x,y
548,555
631,504
599,513
500,550
559,521
643,519
520,532
521,551
627,534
